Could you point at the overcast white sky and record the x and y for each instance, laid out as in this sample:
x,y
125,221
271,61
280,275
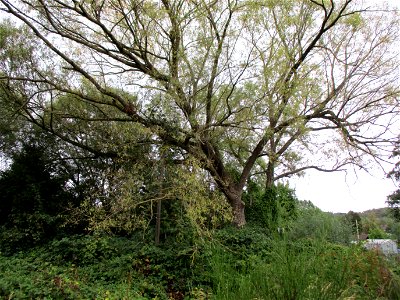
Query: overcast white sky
x,y
341,192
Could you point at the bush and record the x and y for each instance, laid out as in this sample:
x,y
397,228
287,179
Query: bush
x,y
273,208
248,241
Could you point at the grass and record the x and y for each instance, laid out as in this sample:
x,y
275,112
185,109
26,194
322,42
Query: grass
x,y
304,270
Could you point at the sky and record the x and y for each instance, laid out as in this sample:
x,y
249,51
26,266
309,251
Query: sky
x,y
342,192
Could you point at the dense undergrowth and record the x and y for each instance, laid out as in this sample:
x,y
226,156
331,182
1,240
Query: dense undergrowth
x,y
228,264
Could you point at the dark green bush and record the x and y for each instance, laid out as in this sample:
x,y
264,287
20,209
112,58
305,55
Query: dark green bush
x,y
34,202
250,240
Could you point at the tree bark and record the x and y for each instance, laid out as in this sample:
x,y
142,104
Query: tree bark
x,y
270,174
239,218
158,223
234,197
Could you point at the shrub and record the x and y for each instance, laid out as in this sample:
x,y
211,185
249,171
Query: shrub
x,y
273,208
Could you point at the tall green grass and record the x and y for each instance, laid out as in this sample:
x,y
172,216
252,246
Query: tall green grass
x,y
302,270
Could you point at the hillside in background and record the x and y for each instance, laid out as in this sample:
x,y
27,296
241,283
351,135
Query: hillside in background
x,y
374,223
377,212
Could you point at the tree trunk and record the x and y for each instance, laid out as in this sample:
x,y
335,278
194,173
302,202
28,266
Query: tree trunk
x,y
271,159
235,199
158,223
270,174
239,218
225,181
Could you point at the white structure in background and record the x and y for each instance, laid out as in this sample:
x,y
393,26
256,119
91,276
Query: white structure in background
x,y
386,246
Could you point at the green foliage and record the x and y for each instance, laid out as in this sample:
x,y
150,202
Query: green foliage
x,y
188,201
275,208
394,230
11,124
231,264
355,21
33,200
186,96
377,233
269,209
102,267
355,220
16,47
316,224
377,223
393,200
304,271
49,274
394,203
249,241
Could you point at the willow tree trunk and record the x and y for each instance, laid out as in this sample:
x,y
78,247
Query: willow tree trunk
x,y
234,197
270,175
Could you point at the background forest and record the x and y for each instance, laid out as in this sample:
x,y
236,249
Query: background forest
x,y
145,146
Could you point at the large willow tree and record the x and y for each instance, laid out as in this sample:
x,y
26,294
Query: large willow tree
x,y
268,88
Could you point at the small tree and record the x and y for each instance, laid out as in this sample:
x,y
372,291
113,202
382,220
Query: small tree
x,y
355,220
